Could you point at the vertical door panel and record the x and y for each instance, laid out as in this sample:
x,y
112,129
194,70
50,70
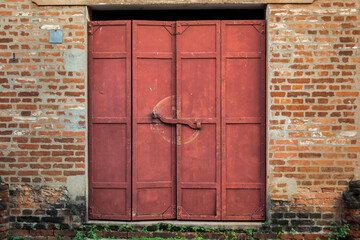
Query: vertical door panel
x,y
198,88
109,88
109,148
243,120
244,79
199,156
153,142
243,142
110,120
198,91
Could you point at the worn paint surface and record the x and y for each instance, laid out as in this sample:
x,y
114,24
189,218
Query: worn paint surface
x,y
176,93
110,120
154,158
243,120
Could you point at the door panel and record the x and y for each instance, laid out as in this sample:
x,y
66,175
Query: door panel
x,y
198,88
157,84
153,143
243,120
243,203
198,91
243,77
109,137
152,150
103,202
243,142
199,156
109,88
198,202
110,120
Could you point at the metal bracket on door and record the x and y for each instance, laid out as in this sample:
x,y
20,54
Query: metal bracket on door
x,y
259,28
93,27
94,213
193,125
181,29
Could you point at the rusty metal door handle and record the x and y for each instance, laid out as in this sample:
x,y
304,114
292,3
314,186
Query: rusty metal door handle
x,y
193,125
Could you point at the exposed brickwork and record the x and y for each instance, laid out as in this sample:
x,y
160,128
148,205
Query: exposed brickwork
x,y
313,87
313,118
42,111
44,206
68,235
4,209
352,208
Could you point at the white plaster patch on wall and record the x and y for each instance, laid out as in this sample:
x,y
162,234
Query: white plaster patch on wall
x,y
24,14
277,25
75,60
71,119
291,186
316,134
76,106
325,12
50,27
279,133
289,189
21,132
76,186
25,80
25,119
280,14
36,113
13,113
347,11
305,142
337,141
348,134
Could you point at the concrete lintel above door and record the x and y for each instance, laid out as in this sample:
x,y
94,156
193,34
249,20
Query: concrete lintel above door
x,y
165,3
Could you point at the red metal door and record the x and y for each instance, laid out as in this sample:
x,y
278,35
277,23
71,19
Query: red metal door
x,y
154,148
243,120
198,98
198,120
110,120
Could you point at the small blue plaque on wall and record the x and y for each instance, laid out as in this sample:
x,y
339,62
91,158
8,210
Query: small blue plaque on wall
x,y
56,36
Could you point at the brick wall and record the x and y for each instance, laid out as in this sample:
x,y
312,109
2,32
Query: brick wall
x,y
43,112
351,215
313,119
4,209
313,97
